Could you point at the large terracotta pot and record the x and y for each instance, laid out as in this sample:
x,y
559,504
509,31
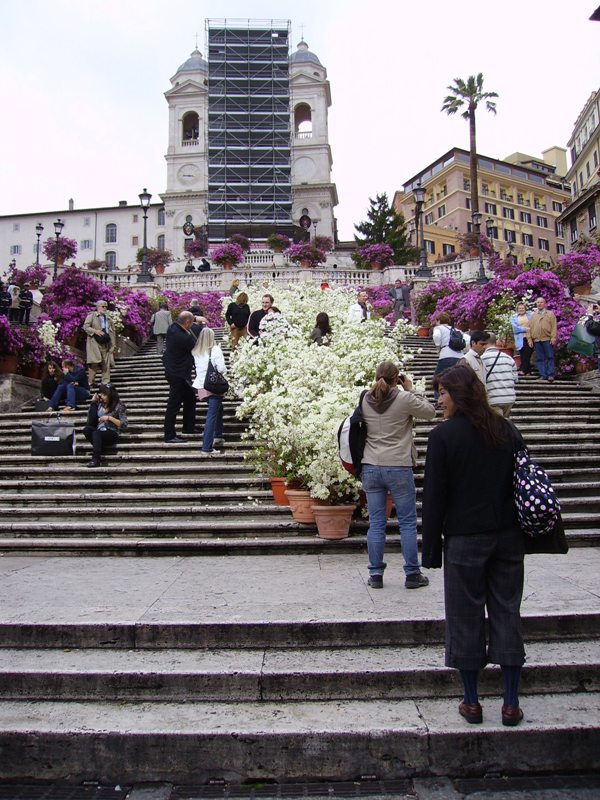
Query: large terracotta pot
x,y
583,288
376,265
32,371
423,331
160,269
60,261
305,263
227,265
301,504
333,522
8,364
509,350
278,488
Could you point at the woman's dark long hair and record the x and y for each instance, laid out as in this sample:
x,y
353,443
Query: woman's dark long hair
x,y
323,323
57,371
113,395
385,381
470,398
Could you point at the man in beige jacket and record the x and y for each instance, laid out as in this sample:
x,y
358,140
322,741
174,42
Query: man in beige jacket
x,y
100,331
542,337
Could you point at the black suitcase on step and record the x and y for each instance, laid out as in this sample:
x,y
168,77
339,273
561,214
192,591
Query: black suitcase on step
x,y
52,437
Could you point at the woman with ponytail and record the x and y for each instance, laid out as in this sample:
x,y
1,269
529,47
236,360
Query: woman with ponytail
x,y
387,466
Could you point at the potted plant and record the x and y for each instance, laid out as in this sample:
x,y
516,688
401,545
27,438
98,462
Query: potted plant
x,y
59,250
578,268
306,254
227,255
194,248
34,275
95,265
243,241
376,256
278,242
156,258
11,342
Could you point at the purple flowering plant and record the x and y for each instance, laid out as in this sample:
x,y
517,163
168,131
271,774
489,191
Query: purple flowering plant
x,y
71,297
11,338
63,249
210,303
324,243
579,266
228,252
376,254
306,251
35,273
195,248
243,241
136,319
278,241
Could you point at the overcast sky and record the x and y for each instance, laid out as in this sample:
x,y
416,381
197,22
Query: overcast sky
x,y
83,112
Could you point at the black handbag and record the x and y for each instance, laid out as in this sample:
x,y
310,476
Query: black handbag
x,y
102,339
52,437
214,381
41,404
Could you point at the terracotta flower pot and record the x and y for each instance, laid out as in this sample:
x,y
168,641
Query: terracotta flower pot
x,y
160,269
333,522
32,371
8,364
423,331
301,504
227,265
278,488
376,265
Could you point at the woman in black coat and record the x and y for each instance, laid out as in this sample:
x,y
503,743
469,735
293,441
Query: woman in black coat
x,y
237,315
469,515
51,377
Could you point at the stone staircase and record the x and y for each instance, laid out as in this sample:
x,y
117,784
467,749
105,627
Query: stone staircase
x,y
268,658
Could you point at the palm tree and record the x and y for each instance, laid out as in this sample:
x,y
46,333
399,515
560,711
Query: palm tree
x,y
469,94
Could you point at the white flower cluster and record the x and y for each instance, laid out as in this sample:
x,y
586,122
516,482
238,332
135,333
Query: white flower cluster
x,y
117,314
296,394
47,332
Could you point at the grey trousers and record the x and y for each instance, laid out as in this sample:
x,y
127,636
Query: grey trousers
x,y
484,570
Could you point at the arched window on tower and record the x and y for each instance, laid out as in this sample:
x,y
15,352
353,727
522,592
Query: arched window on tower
x,y
160,241
190,128
303,121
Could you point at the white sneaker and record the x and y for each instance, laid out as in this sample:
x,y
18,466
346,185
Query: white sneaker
x,y
218,441
206,453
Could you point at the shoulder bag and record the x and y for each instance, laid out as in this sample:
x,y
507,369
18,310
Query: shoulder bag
x,y
214,381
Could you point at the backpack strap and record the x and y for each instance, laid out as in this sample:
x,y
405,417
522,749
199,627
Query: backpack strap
x,y
489,372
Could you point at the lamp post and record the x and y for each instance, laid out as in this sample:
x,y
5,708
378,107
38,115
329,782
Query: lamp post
x,y
489,226
529,260
39,229
314,229
476,217
419,195
144,276
58,226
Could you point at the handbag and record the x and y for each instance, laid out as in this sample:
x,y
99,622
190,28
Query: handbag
x,y
41,404
214,381
581,341
102,339
537,506
53,437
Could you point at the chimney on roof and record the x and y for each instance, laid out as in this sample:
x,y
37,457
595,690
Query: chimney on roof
x,y
71,204
122,203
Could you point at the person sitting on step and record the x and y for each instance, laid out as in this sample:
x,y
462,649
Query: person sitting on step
x,y
107,418
51,378
74,387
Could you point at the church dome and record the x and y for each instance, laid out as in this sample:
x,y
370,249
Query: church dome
x,y
304,56
195,63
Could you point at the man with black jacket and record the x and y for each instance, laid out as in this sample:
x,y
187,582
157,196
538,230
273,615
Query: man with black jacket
x,y
178,362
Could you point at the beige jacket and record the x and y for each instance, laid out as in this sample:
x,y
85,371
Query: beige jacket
x,y
476,364
390,434
93,352
542,327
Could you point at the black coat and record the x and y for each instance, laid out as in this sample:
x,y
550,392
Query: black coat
x,y
177,358
254,321
237,315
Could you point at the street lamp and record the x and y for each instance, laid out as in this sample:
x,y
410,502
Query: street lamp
x,y
58,226
144,276
529,260
314,229
476,217
39,229
419,195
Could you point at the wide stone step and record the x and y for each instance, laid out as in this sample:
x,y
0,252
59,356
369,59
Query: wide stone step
x,y
248,742
271,675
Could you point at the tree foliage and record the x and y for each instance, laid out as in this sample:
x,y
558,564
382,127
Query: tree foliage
x,y
384,225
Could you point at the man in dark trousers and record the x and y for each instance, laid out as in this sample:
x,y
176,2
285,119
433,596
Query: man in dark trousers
x,y
178,362
25,304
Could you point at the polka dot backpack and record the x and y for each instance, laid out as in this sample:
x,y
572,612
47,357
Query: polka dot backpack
x,y
538,509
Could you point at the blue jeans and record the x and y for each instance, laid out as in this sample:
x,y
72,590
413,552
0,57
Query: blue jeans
x,y
544,355
377,482
213,427
71,392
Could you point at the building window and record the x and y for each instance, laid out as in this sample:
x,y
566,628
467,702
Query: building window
x,y
492,232
86,222
430,246
525,216
543,244
595,159
560,249
429,218
16,226
160,241
508,213
588,171
520,199
542,221
581,180
591,216
559,229
537,203
466,184
510,236
485,189
111,233
135,218
468,202
573,227
490,208
441,211
557,206
135,241
15,250
527,239
190,127
160,216
303,126
86,244
111,259
448,249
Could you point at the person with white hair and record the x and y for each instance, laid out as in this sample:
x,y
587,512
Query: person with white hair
x,y
101,339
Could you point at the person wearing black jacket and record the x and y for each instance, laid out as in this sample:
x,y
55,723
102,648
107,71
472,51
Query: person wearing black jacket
x,y
237,314
178,363
25,304
74,386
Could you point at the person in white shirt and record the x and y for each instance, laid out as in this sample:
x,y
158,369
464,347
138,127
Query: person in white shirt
x,y
478,342
447,357
359,311
500,378
204,350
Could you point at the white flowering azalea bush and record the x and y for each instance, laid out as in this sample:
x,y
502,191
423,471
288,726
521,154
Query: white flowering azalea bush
x,y
295,394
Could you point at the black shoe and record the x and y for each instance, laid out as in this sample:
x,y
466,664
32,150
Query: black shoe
x,y
175,440
415,580
376,581
93,463
189,433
